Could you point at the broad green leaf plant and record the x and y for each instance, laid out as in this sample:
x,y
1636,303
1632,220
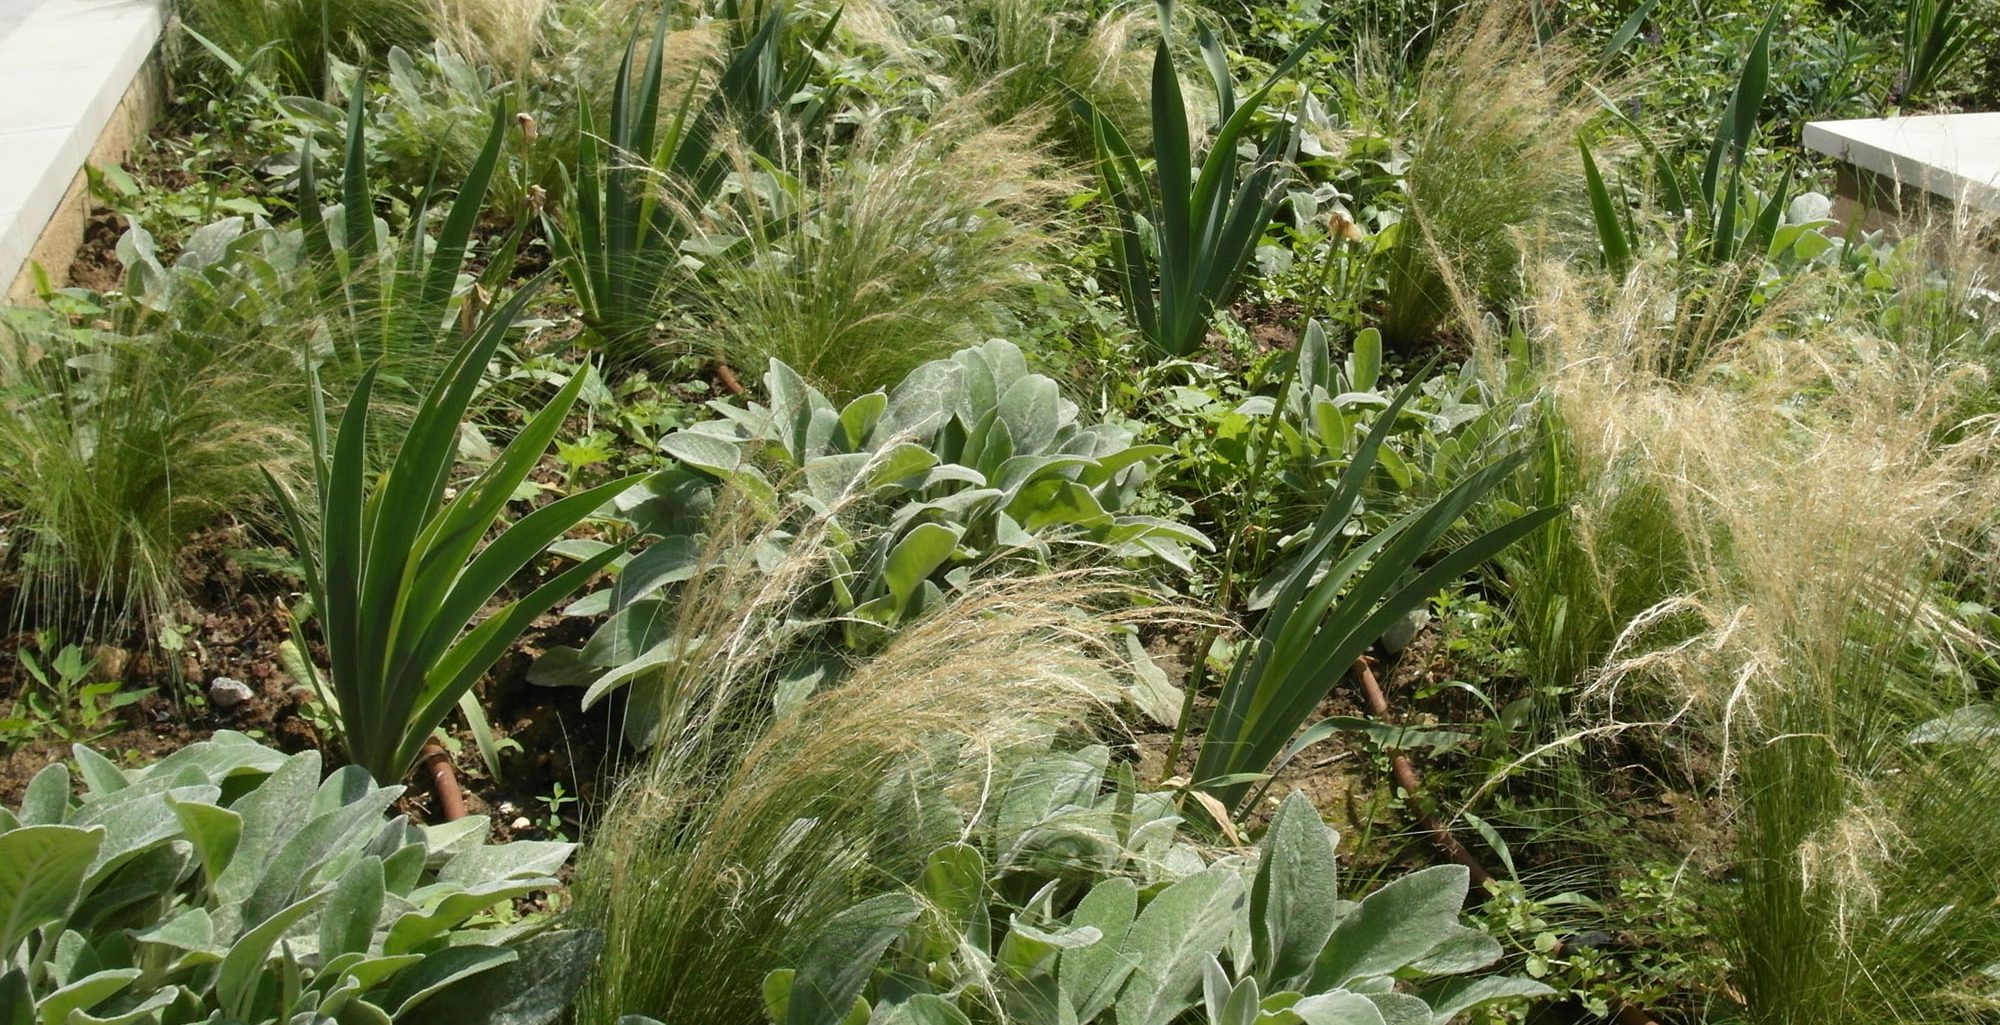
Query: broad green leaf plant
x,y
1182,240
398,575
231,883
1324,409
1234,944
910,490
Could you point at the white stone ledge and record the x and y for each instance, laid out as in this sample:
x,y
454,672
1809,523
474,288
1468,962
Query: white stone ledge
x,y
1956,156
63,72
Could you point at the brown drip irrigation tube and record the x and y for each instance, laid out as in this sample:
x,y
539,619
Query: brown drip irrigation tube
x,y
728,378
444,780
1406,777
1405,773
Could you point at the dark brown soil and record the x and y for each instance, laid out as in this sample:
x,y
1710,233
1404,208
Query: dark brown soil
x,y
233,623
96,266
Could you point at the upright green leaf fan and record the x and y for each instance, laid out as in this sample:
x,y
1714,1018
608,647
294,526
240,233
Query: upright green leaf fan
x,y
398,574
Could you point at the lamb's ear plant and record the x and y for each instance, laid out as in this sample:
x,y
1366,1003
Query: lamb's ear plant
x,y
230,882
948,951
747,827
397,573
970,465
1202,213
1331,601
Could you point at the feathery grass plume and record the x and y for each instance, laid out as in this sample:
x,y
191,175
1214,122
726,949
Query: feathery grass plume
x,y
1030,55
752,824
1579,585
122,446
1815,493
517,39
1943,298
872,25
854,270
1491,125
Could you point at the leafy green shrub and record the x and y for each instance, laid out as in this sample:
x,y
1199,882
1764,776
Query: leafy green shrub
x,y
908,492
434,120
1285,451
62,701
1672,962
229,882
398,574
1295,951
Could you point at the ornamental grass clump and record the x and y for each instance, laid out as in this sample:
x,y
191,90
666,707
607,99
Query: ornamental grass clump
x,y
1810,662
129,434
763,812
1027,55
854,266
1490,123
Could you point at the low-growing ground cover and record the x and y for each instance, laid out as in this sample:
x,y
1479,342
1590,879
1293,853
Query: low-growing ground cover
x,y
1315,511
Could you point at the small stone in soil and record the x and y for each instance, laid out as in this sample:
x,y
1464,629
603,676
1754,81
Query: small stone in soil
x,y
519,824
228,692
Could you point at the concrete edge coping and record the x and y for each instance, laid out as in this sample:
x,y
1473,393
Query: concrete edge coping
x,y
74,74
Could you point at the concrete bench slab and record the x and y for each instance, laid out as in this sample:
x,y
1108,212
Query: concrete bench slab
x,y
1953,156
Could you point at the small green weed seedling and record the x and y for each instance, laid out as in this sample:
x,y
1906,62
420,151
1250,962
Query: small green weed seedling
x,y
555,801
63,704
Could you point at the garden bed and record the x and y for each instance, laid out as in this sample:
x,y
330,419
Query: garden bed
x,y
990,511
